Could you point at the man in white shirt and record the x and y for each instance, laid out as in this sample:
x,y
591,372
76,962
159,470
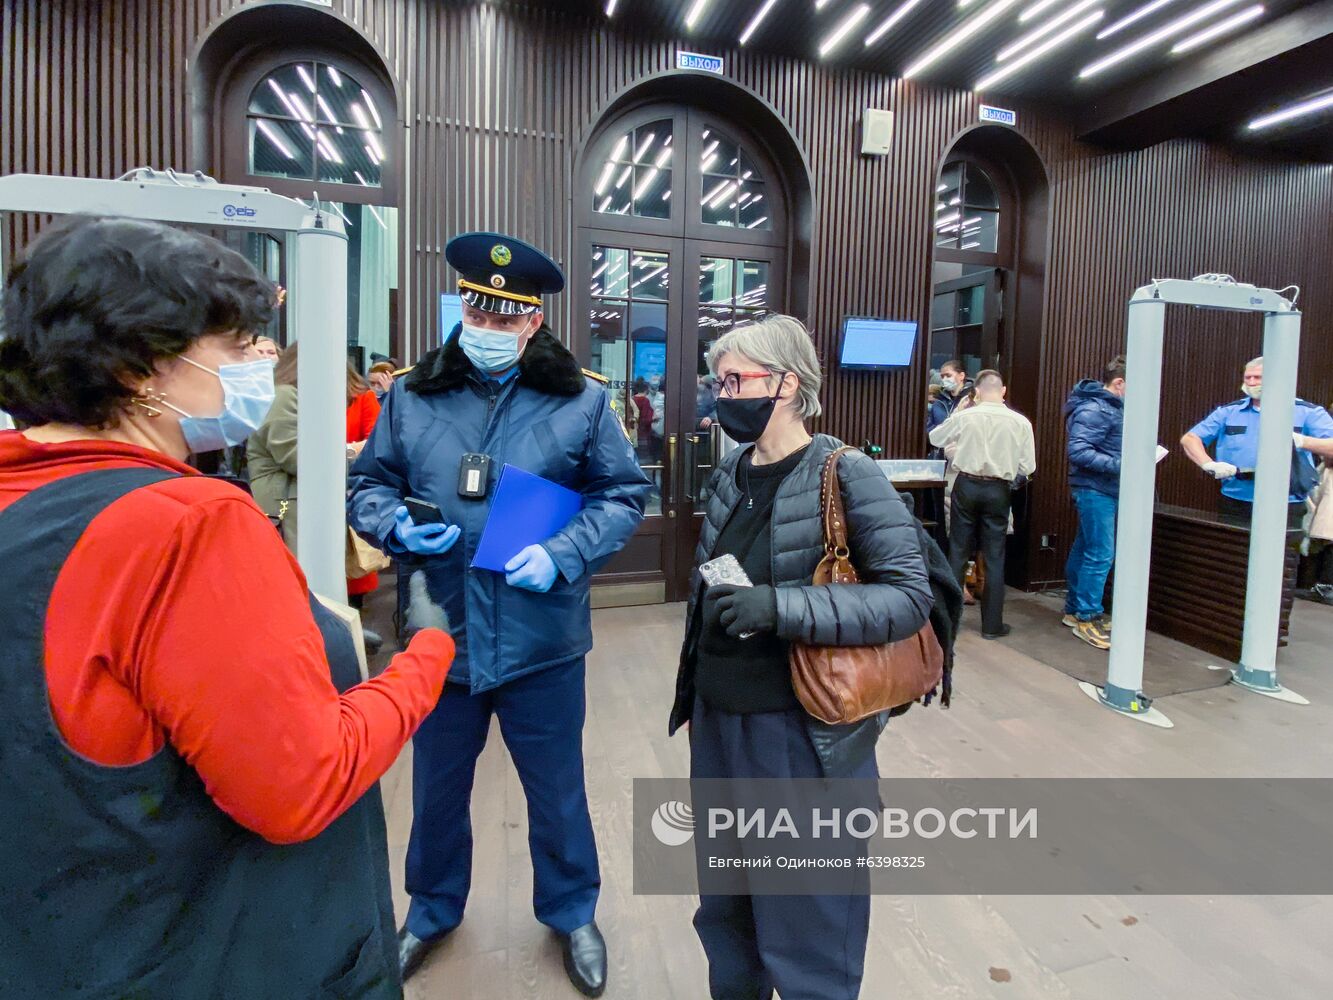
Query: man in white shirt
x,y
995,454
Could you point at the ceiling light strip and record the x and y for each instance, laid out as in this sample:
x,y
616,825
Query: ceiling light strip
x,y
1293,111
849,22
892,19
958,36
1064,17
1035,9
757,20
694,13
1133,17
611,7
1151,39
1221,28
1034,54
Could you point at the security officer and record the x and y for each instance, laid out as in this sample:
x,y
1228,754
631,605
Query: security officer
x,y
502,390
1234,428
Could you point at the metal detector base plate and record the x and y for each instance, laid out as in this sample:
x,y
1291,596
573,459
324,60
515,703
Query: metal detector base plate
x,y
1152,717
1278,694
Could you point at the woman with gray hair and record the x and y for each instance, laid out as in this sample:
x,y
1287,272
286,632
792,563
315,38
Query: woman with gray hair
x,y
734,687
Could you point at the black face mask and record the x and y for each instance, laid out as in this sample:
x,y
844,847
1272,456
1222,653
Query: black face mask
x,y
745,420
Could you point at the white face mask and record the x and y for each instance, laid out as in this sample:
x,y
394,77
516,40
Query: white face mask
x,y
1253,391
949,383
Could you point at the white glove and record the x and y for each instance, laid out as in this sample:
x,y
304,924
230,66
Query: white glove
x,y
422,612
1298,439
1219,470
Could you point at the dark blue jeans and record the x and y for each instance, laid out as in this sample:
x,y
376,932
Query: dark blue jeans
x,y
1094,549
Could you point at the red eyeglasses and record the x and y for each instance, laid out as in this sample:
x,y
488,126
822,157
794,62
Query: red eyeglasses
x,y
731,382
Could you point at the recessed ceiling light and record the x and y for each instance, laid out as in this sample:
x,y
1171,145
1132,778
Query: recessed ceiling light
x,y
1055,41
1221,28
756,20
892,19
1151,39
1132,17
958,36
695,12
849,22
1293,111
1037,35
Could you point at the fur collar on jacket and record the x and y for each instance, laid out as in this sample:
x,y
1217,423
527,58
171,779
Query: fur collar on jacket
x,y
546,365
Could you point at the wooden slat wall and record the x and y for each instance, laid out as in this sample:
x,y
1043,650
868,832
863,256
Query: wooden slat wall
x,y
499,100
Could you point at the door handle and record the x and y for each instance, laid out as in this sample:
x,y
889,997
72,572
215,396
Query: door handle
x,y
691,471
673,472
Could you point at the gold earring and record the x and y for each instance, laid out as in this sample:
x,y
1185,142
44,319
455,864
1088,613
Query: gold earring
x,y
146,400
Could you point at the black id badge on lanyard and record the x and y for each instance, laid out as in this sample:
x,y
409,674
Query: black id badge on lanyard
x,y
473,475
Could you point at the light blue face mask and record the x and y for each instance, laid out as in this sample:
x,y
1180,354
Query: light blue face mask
x,y
247,395
490,350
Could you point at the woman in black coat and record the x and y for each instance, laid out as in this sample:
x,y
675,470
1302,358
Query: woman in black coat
x,y
736,693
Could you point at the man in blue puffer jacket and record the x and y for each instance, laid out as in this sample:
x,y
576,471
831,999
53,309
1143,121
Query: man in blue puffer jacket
x,y
1094,418
501,390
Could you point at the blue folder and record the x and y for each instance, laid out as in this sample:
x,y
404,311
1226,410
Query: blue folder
x,y
527,509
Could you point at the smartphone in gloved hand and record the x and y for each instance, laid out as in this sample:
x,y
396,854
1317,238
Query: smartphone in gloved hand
x,y
423,511
726,569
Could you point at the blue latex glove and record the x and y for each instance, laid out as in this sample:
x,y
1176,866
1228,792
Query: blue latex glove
x,y
424,539
532,569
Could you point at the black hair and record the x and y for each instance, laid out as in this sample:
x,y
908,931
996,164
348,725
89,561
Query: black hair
x,y
93,304
1115,368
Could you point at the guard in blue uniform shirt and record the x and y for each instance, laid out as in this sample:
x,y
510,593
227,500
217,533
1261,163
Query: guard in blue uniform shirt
x,y
502,390
1232,431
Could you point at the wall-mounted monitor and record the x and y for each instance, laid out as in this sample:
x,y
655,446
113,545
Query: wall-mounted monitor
x,y
451,314
871,344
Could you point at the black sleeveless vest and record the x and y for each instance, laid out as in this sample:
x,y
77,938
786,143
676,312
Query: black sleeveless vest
x,y
128,882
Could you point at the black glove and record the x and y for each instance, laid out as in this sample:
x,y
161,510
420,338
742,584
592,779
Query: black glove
x,y
747,610
711,610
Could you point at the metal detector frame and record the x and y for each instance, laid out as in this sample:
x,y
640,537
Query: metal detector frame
x,y
1257,670
315,243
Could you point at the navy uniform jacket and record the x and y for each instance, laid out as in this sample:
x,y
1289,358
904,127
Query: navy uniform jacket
x,y
551,420
1234,428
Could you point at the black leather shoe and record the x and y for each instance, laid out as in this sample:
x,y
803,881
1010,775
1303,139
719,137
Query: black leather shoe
x,y
1004,630
412,952
585,960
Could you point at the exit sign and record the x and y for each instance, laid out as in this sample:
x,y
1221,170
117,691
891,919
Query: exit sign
x,y
699,63
1001,116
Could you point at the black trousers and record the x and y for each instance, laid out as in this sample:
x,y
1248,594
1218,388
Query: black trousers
x,y
978,519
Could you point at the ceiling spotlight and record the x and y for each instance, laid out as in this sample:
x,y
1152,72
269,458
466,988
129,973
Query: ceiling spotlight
x,y
1132,17
1221,28
849,22
694,13
1034,36
756,20
893,19
1151,39
1293,111
1032,55
958,36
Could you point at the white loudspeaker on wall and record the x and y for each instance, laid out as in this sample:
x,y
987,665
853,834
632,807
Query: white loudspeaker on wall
x,y
876,131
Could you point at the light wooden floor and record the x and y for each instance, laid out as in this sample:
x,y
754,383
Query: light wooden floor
x,y
1012,716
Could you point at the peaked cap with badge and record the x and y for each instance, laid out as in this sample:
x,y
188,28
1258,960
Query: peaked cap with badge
x,y
501,274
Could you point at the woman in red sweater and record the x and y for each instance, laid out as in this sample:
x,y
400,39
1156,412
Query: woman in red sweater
x,y
363,409
187,764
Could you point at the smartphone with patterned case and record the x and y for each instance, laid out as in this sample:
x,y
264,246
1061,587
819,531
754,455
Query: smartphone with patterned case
x,y
724,569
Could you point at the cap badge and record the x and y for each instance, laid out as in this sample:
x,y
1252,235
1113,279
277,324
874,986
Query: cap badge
x,y
498,280
501,255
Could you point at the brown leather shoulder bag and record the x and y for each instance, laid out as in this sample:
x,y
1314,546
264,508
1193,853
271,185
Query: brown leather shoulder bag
x,y
843,684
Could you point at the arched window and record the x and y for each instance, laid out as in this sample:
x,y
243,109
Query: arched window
x,y
733,186
309,121
967,209
636,178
